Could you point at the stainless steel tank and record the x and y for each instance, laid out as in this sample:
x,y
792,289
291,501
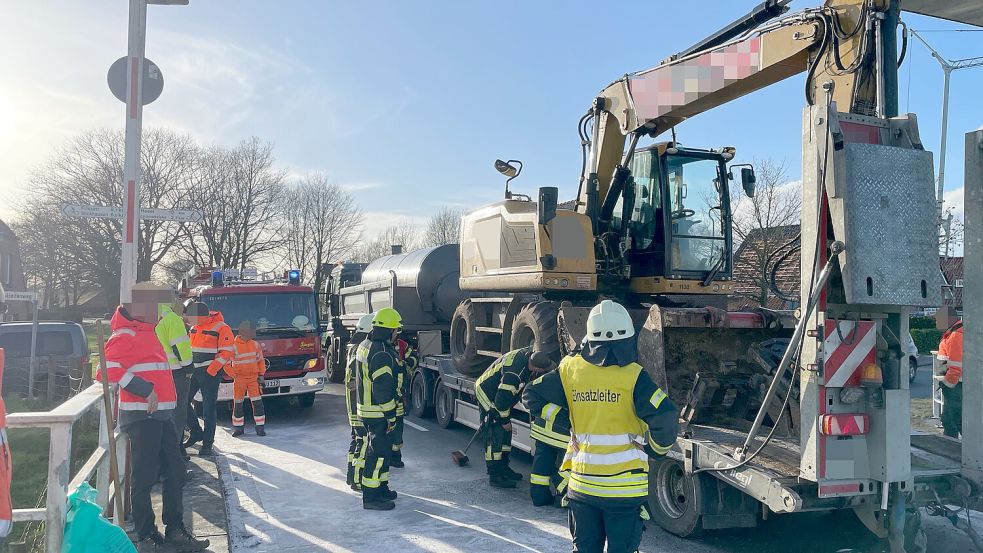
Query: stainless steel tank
x,y
425,291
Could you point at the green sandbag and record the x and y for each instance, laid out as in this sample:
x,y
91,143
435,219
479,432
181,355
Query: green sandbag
x,y
86,531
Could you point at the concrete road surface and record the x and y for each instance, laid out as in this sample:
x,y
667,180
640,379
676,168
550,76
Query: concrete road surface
x,y
287,493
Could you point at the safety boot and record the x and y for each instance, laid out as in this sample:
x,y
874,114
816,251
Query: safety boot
x,y
509,473
396,460
372,500
180,540
386,493
150,543
501,481
239,431
260,430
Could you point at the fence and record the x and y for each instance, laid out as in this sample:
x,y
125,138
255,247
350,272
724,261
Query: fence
x,y
60,423
55,377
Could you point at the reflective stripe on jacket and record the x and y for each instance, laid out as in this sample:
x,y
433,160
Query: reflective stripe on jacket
x,y
551,426
211,343
173,336
247,360
351,401
375,383
498,387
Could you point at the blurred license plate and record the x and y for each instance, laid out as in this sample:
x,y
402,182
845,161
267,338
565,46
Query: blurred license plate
x,y
271,383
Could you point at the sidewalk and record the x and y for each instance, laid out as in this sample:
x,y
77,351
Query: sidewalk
x,y
204,504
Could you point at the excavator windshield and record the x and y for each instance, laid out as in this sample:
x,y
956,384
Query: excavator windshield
x,y
696,198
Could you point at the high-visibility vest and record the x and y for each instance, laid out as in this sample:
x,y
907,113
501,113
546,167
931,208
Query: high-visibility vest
x,y
247,359
351,402
606,456
375,360
951,351
174,339
211,343
551,426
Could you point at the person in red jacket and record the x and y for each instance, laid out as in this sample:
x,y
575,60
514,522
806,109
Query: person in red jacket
x,y
6,508
136,362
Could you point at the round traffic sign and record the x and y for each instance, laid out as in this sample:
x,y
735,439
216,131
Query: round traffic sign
x,y
153,79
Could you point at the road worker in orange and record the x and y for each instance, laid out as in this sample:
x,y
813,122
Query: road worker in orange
x,y
211,349
951,355
247,369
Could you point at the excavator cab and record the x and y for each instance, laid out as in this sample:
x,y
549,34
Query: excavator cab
x,y
678,225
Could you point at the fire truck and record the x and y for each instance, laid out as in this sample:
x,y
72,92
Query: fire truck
x,y
285,315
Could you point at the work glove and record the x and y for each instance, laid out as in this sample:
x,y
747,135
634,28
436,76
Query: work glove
x,y
391,427
261,381
491,417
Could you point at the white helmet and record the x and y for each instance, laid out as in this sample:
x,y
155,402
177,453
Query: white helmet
x,y
609,321
364,324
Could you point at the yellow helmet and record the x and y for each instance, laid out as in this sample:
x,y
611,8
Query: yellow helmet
x,y
387,317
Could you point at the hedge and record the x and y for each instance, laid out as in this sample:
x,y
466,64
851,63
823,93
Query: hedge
x,y
921,322
926,339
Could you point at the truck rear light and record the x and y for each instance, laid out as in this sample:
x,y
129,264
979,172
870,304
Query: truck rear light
x,y
844,425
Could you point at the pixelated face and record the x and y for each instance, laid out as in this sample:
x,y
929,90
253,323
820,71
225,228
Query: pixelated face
x,y
246,331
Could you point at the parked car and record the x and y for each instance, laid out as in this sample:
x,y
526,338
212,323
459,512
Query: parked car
x,y
61,348
912,351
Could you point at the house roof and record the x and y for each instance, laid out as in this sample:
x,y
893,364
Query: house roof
x,y
748,276
952,270
5,232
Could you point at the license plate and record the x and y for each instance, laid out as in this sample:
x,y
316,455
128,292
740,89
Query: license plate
x,y
271,383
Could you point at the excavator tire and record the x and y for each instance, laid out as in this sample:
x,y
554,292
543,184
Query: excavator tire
x,y
464,340
536,325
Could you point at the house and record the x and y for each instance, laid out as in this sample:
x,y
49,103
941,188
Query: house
x,y
751,276
952,288
12,272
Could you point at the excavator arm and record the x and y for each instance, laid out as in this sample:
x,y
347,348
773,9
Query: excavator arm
x,y
834,43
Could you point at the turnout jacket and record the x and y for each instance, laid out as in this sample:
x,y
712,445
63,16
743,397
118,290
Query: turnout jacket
x,y
135,360
498,387
211,343
173,336
351,396
550,422
619,418
407,366
375,384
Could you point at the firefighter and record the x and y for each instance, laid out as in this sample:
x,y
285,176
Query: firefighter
x,y
362,330
951,355
408,363
247,369
136,362
497,392
619,419
375,387
211,347
173,336
550,430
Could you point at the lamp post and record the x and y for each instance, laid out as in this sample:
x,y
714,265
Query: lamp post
x,y
136,48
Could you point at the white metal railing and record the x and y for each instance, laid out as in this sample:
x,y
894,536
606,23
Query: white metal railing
x,y
60,422
937,399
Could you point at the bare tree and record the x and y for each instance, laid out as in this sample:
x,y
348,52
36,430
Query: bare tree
x,y
763,224
321,225
951,234
444,227
240,193
403,234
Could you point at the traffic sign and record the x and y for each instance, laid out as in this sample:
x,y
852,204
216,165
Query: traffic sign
x,y
21,296
148,213
153,80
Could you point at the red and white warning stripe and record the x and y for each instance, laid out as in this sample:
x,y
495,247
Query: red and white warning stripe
x,y
844,424
846,352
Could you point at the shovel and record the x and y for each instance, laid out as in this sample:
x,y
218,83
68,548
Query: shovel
x,y
461,457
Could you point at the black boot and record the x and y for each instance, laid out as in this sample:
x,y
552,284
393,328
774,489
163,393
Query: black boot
x,y
205,450
239,431
260,430
386,493
501,481
509,473
396,460
373,501
192,440
350,478
150,543
182,541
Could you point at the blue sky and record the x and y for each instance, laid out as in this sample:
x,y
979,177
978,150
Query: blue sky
x,y
407,103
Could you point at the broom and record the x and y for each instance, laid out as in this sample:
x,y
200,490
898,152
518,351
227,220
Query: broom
x,y
461,457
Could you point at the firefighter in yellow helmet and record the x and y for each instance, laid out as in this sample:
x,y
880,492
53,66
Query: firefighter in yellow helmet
x,y
362,330
375,388
619,419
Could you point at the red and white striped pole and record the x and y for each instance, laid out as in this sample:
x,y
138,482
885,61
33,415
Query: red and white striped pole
x,y
136,48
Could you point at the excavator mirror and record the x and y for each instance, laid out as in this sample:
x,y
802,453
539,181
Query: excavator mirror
x,y
748,181
546,207
506,168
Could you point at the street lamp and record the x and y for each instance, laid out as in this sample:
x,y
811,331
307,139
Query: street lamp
x,y
948,66
136,49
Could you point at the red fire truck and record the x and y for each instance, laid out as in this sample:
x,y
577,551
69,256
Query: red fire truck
x,y
285,315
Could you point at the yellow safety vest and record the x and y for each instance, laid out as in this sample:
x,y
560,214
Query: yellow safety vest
x,y
606,456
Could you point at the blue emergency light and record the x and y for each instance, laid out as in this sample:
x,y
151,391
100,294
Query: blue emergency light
x,y
293,277
218,278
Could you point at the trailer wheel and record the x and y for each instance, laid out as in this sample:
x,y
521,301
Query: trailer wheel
x,y
536,325
674,498
443,403
336,370
419,407
464,339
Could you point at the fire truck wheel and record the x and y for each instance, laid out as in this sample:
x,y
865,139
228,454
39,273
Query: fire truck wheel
x,y
674,498
306,401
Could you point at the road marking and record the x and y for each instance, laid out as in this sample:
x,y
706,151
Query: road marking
x,y
414,425
476,529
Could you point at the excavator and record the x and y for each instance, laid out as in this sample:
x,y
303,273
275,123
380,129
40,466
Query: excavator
x,y
782,412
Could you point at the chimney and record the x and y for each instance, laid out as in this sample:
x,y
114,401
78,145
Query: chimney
x,y
397,249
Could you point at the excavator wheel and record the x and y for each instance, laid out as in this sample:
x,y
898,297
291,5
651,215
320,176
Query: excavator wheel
x,y
536,325
464,340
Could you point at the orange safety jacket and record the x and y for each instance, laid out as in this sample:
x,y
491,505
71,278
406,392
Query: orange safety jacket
x,y
6,507
951,351
211,343
247,360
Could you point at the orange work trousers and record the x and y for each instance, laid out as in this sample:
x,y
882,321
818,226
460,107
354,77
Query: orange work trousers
x,y
241,388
